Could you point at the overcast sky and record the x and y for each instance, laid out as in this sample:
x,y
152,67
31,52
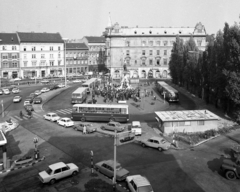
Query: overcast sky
x,y
77,18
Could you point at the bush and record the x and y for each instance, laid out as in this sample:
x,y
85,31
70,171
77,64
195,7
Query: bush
x,y
98,185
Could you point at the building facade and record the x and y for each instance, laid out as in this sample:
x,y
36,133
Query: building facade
x,y
42,54
76,58
96,56
9,55
145,52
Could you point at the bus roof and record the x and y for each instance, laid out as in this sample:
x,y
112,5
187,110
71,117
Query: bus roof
x,y
90,81
101,105
166,86
80,90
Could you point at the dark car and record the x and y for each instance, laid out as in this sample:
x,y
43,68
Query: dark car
x,y
30,99
28,107
37,100
52,87
32,95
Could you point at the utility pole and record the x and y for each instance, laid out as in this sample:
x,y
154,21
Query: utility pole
x,y
114,160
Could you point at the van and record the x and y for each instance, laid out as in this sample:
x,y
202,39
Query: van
x,y
136,128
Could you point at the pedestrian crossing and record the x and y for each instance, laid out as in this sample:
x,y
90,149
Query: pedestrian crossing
x,y
17,118
64,111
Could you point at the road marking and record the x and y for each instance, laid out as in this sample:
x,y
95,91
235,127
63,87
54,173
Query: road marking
x,y
25,118
62,111
17,118
37,115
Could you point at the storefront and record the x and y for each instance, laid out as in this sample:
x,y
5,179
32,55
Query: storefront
x,y
150,74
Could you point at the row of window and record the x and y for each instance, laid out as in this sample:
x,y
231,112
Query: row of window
x,y
13,64
34,56
9,56
43,48
150,52
76,70
149,62
96,48
13,48
41,63
181,123
70,61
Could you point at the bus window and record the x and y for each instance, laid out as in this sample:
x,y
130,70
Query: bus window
x,y
75,109
123,111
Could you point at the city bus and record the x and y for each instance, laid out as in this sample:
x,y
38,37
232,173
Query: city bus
x,y
100,112
79,95
90,84
168,92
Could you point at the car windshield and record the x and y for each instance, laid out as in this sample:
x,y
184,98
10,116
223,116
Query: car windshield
x,y
54,115
163,141
49,171
118,167
147,188
67,120
17,97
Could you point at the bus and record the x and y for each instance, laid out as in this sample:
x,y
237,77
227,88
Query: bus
x,y
168,92
100,112
90,84
79,95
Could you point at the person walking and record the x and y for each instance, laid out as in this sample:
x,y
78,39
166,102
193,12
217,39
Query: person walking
x,y
84,129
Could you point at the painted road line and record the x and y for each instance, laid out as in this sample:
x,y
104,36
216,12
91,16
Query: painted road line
x,y
37,115
18,118
26,118
62,111
69,110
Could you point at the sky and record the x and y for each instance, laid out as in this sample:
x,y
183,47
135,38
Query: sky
x,y
75,19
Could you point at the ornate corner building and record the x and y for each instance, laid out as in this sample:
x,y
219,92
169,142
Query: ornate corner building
x,y
146,51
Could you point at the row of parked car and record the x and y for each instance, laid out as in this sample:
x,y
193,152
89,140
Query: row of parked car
x,y
8,91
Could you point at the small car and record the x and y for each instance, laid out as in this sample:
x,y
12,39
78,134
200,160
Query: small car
x,y
137,183
37,92
17,99
37,100
61,85
76,81
26,102
44,90
112,126
156,142
15,90
1,91
44,81
136,127
32,95
51,117
28,107
107,168
66,122
6,91
29,98
89,127
58,171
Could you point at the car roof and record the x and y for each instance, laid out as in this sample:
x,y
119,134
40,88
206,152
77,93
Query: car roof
x,y
57,165
38,98
111,162
136,123
156,138
52,113
140,180
17,96
66,118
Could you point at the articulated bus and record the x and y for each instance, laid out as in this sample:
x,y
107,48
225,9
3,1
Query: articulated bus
x,y
79,95
90,84
100,112
168,92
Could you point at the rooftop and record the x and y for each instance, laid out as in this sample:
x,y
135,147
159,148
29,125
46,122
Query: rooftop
x,y
8,38
76,46
190,115
26,37
95,39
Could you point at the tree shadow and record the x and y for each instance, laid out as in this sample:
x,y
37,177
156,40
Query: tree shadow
x,y
215,164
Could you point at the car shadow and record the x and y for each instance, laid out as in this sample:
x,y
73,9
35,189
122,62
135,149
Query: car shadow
x,y
215,164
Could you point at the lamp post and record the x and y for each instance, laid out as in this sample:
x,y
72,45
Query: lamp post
x,y
65,64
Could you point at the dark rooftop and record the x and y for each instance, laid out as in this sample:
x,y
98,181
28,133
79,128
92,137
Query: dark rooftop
x,y
76,46
8,38
40,37
95,39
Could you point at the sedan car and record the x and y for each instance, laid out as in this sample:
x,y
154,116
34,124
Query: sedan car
x,y
138,183
51,117
37,92
45,89
66,122
61,85
6,91
156,142
17,99
58,171
29,98
15,90
111,126
107,168
1,91
32,95
37,100
89,127
77,81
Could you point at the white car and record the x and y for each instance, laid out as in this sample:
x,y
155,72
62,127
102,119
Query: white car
x,y
45,89
6,91
26,103
58,171
76,81
37,92
15,90
66,122
51,117
138,183
17,99
61,85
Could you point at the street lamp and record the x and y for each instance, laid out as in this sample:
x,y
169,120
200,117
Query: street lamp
x,y
65,64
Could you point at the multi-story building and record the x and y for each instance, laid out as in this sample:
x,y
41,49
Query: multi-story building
x,y
96,56
9,52
146,52
76,58
42,54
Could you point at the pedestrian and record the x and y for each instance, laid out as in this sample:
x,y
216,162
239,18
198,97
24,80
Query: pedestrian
x,y
28,82
21,114
84,130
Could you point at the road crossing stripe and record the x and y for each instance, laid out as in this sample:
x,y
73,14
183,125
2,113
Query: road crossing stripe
x,y
25,118
59,110
18,118
62,111
37,115
68,110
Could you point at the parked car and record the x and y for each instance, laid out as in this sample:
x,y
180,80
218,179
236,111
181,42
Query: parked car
x,y
6,91
37,92
136,128
137,183
58,171
32,95
1,91
77,81
107,168
17,99
52,87
37,100
156,142
66,122
61,85
111,126
26,102
44,81
45,89
28,107
29,98
51,117
89,127
15,90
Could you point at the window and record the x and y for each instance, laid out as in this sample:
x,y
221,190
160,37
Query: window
x,y
158,52
33,48
143,52
4,48
34,63
165,52
14,48
150,43
59,62
51,63
42,63
143,43
25,63
165,61
14,64
128,43
135,62
59,48
165,43
24,49
199,42
51,48
171,42
41,48
158,61
167,124
42,56
4,56
150,52
143,62
65,168
5,65
59,55
51,55
33,56
14,56
188,123
127,52
25,56
150,61
200,122
57,171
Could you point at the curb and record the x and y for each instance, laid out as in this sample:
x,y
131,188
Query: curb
x,y
20,167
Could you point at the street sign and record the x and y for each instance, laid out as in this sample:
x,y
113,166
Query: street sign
x,y
125,137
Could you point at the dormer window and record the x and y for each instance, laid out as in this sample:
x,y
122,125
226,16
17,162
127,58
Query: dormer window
x,y
165,32
180,32
135,32
150,32
128,43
